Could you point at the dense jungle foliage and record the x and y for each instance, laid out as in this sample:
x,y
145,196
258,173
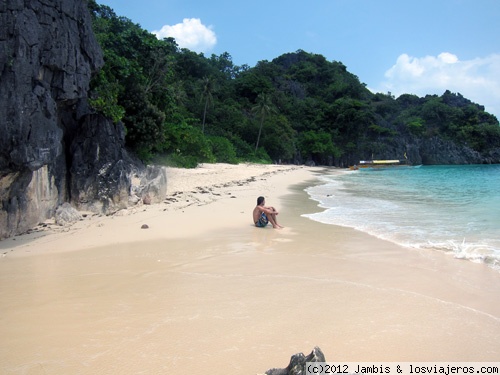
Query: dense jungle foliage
x,y
182,108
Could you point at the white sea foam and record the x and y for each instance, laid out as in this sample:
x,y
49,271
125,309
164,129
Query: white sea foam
x,y
447,208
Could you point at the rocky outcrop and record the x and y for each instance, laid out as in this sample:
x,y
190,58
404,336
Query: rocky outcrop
x,y
66,214
426,151
439,151
297,365
104,178
53,148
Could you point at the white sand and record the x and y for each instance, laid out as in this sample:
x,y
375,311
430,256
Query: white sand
x,y
203,290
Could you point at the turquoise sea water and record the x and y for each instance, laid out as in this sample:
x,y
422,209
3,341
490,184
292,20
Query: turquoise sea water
x,y
449,208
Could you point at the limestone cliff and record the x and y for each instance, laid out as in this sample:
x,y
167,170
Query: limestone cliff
x,y
53,149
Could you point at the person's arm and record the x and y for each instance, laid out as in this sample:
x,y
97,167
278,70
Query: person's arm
x,y
270,210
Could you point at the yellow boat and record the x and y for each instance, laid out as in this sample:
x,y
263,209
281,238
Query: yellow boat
x,y
379,164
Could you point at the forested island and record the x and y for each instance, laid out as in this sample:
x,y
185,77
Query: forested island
x,y
182,108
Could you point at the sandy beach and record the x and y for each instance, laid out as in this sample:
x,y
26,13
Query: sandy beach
x,y
202,290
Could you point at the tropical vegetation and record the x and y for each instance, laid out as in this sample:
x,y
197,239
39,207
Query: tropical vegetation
x,y
182,108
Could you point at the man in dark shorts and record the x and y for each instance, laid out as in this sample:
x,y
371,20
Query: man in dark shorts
x,y
262,215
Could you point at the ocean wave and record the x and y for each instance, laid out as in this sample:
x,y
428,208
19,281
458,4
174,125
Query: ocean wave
x,y
429,209
474,252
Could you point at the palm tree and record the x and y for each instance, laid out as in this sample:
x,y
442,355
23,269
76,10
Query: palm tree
x,y
263,107
208,89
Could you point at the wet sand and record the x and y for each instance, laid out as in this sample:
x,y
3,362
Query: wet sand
x,y
204,291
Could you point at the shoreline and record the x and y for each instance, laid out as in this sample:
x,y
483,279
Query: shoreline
x,y
186,189
203,289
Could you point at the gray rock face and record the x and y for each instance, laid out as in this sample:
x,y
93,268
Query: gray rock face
x,y
66,214
103,177
53,149
100,168
438,151
297,365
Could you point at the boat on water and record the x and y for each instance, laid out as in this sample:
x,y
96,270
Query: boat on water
x,y
381,164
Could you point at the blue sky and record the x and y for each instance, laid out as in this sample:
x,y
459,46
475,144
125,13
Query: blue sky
x,y
398,46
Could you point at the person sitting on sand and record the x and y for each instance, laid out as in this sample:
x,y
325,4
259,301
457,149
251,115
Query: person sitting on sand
x,y
262,215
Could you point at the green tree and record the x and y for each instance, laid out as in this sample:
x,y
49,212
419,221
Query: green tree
x,y
207,93
162,94
223,150
262,108
415,125
280,139
317,146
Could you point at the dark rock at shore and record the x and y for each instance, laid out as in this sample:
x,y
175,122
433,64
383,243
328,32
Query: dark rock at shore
x,y
297,365
53,148
431,151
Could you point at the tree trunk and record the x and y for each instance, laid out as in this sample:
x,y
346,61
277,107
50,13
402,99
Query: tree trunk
x,y
204,116
260,131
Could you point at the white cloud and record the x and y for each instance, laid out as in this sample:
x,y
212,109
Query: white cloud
x,y
477,79
190,34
